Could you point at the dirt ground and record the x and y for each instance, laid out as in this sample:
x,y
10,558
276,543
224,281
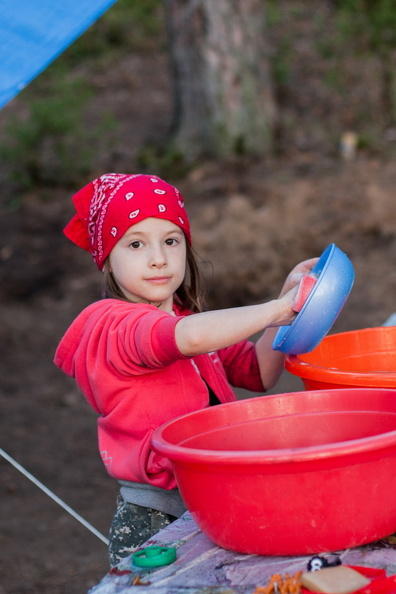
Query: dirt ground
x,y
252,220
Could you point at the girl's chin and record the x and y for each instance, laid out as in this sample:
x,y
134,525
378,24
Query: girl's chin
x,y
162,302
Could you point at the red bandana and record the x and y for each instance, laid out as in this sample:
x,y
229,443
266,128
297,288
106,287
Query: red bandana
x,y
110,204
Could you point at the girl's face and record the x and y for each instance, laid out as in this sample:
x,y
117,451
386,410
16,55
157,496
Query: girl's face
x,y
149,262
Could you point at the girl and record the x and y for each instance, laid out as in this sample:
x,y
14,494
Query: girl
x,y
148,353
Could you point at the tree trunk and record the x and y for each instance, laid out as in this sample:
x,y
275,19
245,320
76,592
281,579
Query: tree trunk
x,y
224,103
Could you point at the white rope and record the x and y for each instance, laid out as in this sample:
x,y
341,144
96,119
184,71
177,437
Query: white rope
x,y
53,496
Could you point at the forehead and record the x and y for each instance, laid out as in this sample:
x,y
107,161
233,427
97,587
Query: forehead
x,y
153,225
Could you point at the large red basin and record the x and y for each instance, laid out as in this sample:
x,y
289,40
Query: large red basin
x,y
290,474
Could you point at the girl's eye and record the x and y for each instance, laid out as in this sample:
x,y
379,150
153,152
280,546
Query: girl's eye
x,y
171,241
135,244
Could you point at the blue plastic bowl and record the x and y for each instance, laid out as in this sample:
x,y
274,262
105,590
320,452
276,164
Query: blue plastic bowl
x,y
335,280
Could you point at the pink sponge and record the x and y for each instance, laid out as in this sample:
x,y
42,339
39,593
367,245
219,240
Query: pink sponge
x,y
307,283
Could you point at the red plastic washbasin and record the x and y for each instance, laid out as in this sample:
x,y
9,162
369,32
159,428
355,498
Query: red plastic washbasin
x,y
294,431
365,358
289,474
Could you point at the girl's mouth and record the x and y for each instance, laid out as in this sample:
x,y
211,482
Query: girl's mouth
x,y
158,280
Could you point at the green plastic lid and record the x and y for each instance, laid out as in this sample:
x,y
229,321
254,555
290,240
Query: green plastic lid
x,y
154,556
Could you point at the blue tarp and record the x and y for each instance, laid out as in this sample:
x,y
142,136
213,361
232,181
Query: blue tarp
x,y
34,32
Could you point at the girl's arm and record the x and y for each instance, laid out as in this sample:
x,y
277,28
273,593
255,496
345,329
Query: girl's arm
x,y
213,330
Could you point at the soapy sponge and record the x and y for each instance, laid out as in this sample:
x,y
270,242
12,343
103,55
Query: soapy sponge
x,y
307,283
334,580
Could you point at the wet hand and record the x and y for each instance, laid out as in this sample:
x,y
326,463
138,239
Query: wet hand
x,y
286,302
294,277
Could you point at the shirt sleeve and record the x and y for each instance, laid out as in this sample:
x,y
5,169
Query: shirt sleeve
x,y
142,339
241,366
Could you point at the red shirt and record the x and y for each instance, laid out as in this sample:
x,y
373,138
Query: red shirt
x,y
126,362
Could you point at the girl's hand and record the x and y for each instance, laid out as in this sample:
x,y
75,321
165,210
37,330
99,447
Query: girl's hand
x,y
271,362
296,274
286,313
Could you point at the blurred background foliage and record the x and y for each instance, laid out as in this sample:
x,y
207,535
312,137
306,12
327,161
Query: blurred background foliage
x,y
52,139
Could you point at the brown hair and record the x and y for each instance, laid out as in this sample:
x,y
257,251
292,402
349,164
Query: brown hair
x,y
190,295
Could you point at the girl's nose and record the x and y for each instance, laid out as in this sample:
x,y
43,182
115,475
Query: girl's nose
x,y
157,257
